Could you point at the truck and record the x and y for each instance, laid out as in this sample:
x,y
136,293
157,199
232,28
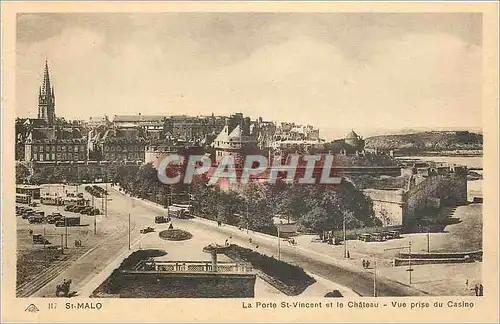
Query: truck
x,y
68,221
179,212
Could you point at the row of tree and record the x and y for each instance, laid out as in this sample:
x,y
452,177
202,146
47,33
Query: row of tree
x,y
316,208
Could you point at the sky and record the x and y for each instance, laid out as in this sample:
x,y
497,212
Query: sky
x,y
336,71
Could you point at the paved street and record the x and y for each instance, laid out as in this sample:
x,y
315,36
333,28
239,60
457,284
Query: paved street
x,y
84,269
208,232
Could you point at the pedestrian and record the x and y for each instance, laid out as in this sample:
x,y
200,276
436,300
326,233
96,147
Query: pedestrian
x,y
364,263
480,289
467,284
250,240
226,242
476,290
367,264
348,255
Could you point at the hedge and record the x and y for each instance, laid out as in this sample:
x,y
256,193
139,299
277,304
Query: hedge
x,y
294,278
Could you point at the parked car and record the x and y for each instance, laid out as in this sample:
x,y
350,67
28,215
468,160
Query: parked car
x,y
53,219
36,219
365,237
68,207
86,210
39,239
78,209
160,219
33,204
147,230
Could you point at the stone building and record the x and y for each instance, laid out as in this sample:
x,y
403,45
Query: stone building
x,y
56,150
234,143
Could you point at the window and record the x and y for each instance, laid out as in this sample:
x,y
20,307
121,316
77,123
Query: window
x,y
35,148
41,148
64,149
58,148
47,156
76,148
53,148
82,148
64,156
47,148
70,156
58,155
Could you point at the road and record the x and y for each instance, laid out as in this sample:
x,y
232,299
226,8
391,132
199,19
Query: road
x,y
83,270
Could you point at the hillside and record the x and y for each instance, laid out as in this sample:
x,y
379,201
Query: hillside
x,y
427,141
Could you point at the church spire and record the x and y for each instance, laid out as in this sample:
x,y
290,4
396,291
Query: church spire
x,y
46,98
46,88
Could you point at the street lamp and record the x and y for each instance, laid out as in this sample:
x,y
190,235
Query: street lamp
x,y
279,242
410,270
345,241
374,276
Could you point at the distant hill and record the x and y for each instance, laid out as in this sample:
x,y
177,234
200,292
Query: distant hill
x,y
428,141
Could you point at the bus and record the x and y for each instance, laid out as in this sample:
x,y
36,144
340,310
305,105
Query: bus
x,y
23,199
51,200
178,212
186,207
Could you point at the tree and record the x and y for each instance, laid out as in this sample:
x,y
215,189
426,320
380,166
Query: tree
x,y
229,204
22,173
316,220
259,212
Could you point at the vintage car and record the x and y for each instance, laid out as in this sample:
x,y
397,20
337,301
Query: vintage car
x,y
39,239
161,219
147,230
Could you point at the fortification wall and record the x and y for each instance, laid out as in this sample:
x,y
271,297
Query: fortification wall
x,y
387,205
450,188
434,189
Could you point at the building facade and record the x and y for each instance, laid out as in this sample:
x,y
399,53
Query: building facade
x,y
56,150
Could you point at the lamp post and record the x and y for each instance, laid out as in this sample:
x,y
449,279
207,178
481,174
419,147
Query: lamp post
x,y
374,276
279,243
129,231
345,242
410,269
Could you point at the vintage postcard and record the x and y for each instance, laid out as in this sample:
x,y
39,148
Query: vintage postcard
x,y
249,162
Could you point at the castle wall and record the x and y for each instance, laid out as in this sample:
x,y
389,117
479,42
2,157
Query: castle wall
x,y
449,188
435,189
387,205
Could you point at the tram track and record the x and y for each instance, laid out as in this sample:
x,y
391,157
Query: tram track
x,y
30,287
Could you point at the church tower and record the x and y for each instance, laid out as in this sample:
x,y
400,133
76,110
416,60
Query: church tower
x,y
47,99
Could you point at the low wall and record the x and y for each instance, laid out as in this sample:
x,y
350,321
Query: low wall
x,y
145,284
473,254
406,262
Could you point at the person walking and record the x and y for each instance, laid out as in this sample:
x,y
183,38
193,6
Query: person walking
x,y
364,264
467,284
476,290
480,289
